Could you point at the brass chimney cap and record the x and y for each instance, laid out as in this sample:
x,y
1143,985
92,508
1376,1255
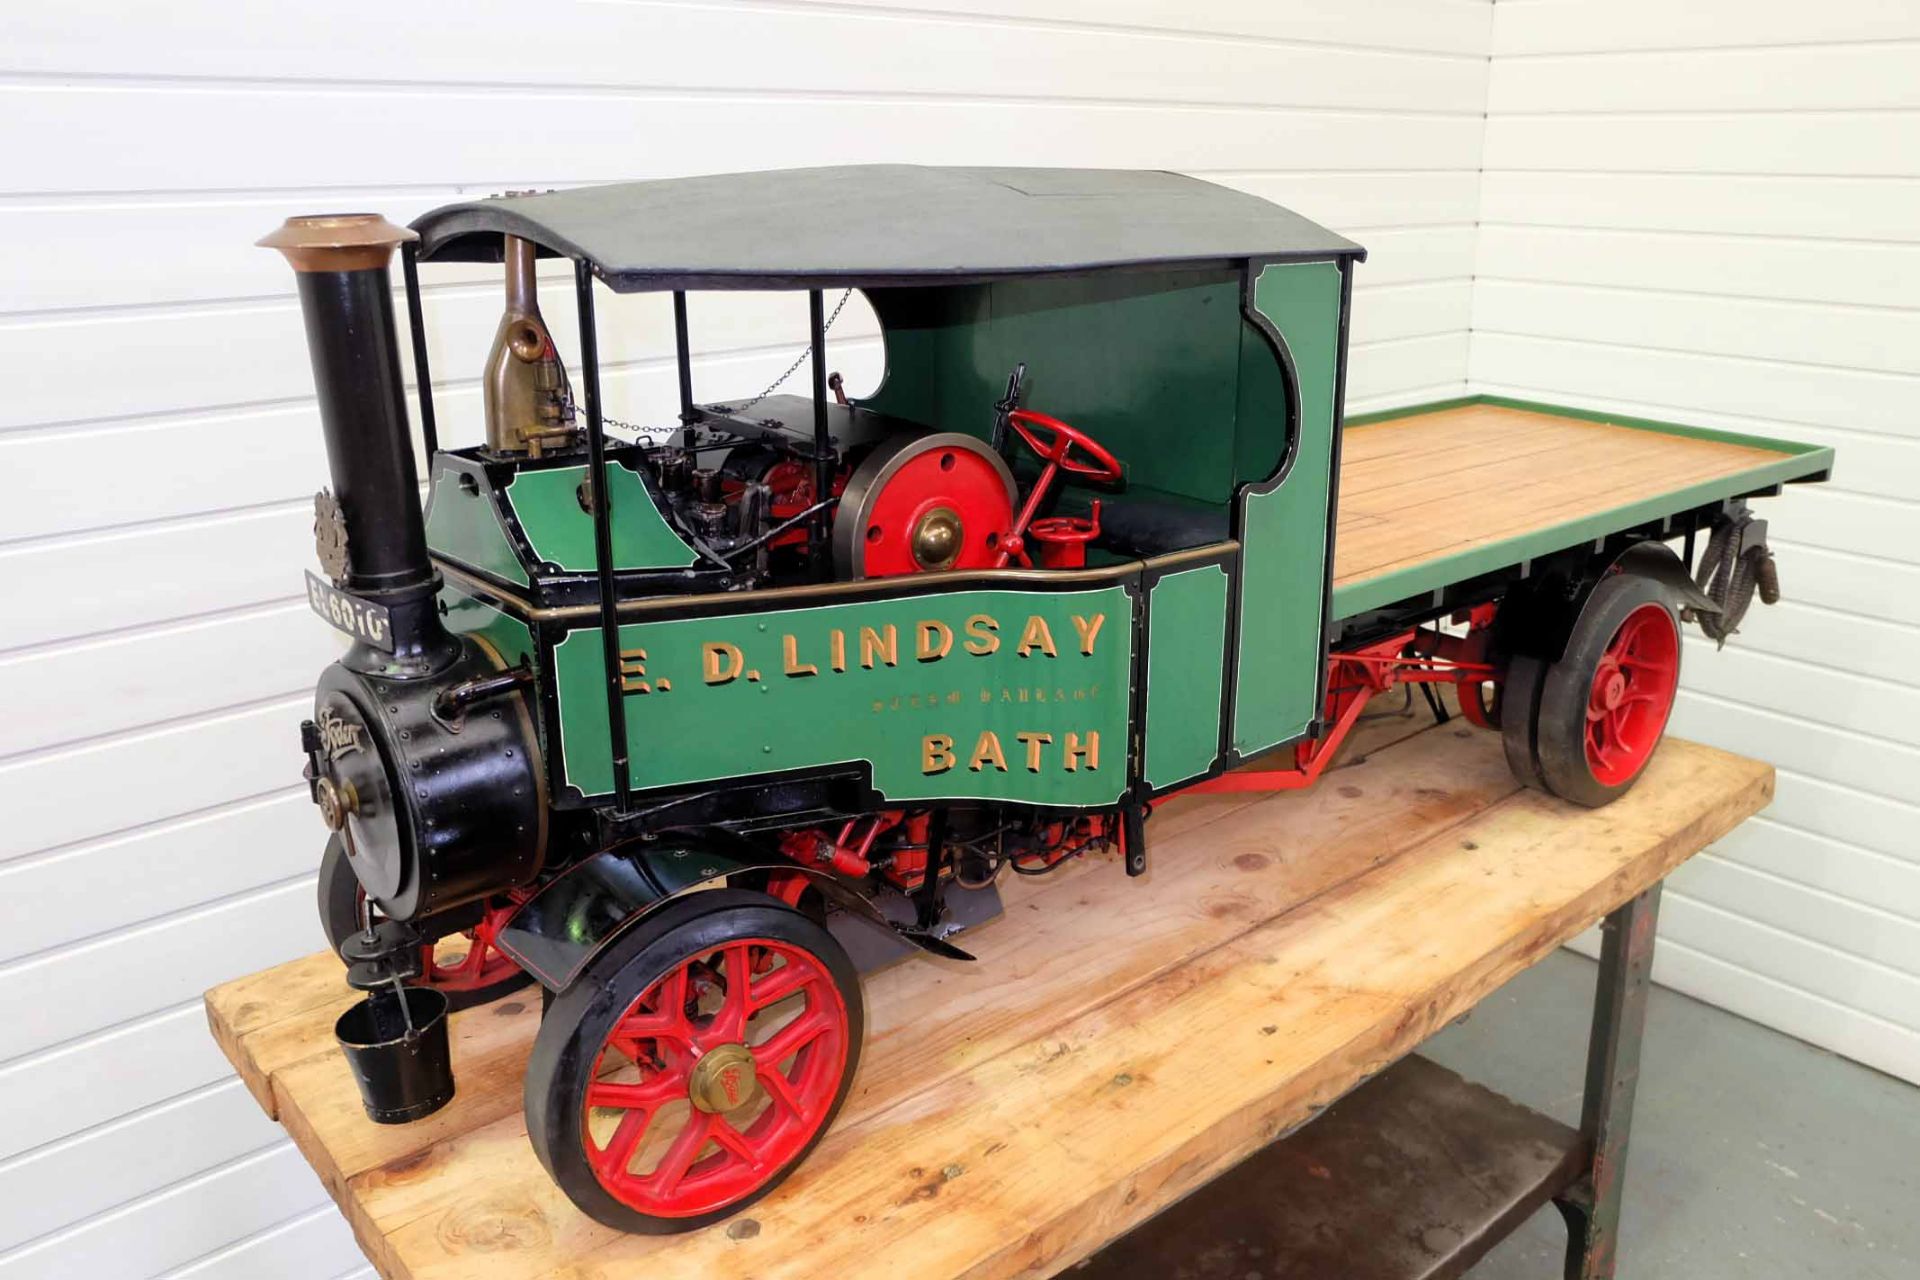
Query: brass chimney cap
x,y
337,241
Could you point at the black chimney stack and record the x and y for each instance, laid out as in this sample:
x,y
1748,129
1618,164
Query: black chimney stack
x,y
346,297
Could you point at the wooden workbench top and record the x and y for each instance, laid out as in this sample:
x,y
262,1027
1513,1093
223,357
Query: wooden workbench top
x,y
1118,1044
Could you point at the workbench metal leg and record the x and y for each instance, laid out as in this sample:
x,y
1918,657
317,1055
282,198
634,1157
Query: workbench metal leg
x,y
1592,1208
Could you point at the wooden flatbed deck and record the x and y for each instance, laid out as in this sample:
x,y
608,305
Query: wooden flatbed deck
x,y
1433,498
1118,1044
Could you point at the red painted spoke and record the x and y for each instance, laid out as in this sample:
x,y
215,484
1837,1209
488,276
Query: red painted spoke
x,y
777,986
643,1094
780,1090
730,1023
612,1159
667,1020
790,1039
734,1143
679,1157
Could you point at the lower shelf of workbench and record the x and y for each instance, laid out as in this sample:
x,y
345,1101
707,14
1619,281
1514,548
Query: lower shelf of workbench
x,y
1412,1176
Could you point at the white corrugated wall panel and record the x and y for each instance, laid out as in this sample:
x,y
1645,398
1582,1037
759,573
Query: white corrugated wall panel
x,y
158,443
1710,213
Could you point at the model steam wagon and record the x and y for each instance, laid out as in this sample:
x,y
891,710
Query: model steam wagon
x,y
691,727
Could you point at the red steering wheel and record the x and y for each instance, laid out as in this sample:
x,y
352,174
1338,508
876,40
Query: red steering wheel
x,y
1055,442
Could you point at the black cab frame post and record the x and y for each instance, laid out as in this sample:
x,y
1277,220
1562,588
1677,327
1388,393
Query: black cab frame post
x,y
683,362
820,531
423,382
603,536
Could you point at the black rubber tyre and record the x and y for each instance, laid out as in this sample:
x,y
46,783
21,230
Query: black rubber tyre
x,y
1519,715
338,891
580,1020
1562,725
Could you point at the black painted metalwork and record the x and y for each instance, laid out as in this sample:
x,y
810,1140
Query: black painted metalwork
x,y
823,461
363,416
683,364
416,321
1592,1207
603,536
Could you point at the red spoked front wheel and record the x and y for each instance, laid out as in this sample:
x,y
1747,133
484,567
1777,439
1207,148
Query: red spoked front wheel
x,y
1604,705
691,1066
472,961
467,965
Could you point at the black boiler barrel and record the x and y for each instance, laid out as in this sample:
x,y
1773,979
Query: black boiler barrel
x,y
346,298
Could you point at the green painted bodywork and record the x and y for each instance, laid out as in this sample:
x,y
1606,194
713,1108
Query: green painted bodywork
x,y
1281,646
1147,363
509,636
1796,462
465,527
547,505
1186,647
683,728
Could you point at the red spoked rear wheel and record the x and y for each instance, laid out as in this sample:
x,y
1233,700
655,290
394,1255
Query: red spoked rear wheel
x,y
693,1064
1603,706
1631,694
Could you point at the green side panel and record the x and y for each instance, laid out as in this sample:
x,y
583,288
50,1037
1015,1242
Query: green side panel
x,y
1135,359
547,505
509,636
466,527
1797,461
942,720
1281,646
1186,647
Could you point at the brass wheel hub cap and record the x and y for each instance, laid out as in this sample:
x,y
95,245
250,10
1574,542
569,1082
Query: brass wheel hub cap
x,y
723,1078
936,539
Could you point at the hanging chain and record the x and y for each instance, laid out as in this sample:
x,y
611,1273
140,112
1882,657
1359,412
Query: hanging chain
x,y
772,387
794,368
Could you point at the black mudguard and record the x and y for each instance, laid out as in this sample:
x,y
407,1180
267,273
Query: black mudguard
x,y
579,913
1538,622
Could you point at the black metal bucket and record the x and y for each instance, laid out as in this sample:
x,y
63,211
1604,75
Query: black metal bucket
x,y
398,1053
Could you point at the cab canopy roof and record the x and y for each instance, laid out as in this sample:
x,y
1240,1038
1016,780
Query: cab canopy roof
x,y
877,225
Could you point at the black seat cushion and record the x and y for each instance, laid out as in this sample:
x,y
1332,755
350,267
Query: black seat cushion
x,y
1138,526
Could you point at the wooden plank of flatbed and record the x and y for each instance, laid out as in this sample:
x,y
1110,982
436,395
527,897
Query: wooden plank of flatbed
x,y
1118,1043
1429,485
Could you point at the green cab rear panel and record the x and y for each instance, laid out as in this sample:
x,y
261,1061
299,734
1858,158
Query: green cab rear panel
x,y
969,694
1286,524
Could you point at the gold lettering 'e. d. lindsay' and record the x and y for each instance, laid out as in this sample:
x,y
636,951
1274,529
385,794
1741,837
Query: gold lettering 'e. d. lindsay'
x,y
882,645
981,639
932,640
875,648
1087,630
1036,635
633,671
721,662
790,658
